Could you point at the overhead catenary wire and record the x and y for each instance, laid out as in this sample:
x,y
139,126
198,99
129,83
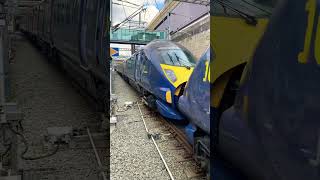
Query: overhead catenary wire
x,y
124,5
156,4
124,10
154,142
129,2
117,26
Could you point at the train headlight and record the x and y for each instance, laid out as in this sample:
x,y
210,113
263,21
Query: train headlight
x,y
170,74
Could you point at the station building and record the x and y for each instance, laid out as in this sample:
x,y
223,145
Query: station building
x,y
187,23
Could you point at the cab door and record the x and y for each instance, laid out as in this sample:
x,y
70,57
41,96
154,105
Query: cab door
x,y
138,63
145,72
83,34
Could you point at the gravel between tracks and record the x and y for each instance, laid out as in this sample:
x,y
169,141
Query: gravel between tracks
x,y
133,155
48,99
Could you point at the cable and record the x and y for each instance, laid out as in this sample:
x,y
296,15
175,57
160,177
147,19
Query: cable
x,y
22,155
124,5
261,9
4,143
154,142
124,10
6,151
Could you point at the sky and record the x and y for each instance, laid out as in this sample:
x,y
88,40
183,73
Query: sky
x,y
119,12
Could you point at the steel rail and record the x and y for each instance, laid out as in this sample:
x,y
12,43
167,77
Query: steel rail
x,y
181,137
97,155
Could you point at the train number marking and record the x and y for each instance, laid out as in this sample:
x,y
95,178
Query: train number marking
x,y
304,55
207,73
311,8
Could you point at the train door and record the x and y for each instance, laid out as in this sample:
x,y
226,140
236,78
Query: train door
x,y
92,25
82,35
145,71
136,56
138,62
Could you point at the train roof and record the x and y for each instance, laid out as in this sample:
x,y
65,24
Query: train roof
x,y
151,48
155,44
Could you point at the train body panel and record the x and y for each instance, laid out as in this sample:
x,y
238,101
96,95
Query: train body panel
x,y
237,28
235,36
274,118
195,101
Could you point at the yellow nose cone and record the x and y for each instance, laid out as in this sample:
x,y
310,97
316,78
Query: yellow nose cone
x,y
182,73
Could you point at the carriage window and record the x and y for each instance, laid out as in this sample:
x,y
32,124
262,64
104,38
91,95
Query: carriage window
x,y
176,57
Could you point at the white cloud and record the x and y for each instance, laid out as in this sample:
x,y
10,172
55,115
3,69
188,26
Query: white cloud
x,y
119,12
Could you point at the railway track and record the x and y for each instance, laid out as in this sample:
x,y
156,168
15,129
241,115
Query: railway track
x,y
177,134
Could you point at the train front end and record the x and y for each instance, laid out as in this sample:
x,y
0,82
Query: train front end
x,y
174,65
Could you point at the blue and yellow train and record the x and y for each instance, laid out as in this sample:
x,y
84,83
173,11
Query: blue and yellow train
x,y
159,71
267,124
171,81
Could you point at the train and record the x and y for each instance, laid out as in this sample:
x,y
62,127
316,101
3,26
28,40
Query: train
x,y
269,128
159,71
172,82
237,27
75,34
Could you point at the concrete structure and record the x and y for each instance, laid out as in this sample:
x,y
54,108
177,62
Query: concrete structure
x,y
195,37
187,24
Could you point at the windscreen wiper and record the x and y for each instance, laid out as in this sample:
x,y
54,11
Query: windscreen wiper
x,y
177,58
170,58
251,20
184,65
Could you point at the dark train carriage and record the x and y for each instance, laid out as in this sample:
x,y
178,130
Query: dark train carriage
x,y
44,22
29,23
79,32
75,32
65,28
35,22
